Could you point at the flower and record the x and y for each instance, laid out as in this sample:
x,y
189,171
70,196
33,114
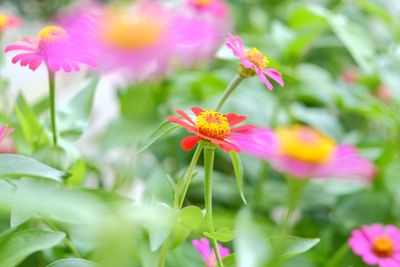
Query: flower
x,y
4,132
53,46
216,8
377,244
253,62
211,126
203,247
8,21
304,152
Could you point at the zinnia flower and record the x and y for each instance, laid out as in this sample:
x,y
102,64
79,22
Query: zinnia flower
x,y
377,245
304,152
203,247
216,8
4,132
8,21
211,126
53,46
253,62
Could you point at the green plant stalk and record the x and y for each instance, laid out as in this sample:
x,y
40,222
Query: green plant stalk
x,y
229,90
296,187
52,96
339,255
209,153
163,252
180,192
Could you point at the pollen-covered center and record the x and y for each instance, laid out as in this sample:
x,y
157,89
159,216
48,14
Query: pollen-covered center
x,y
257,58
3,20
133,31
383,246
202,3
212,124
305,144
52,33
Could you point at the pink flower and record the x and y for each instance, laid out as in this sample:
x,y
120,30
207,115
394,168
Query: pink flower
x,y
4,132
53,46
304,152
215,8
211,126
8,21
377,245
203,247
253,62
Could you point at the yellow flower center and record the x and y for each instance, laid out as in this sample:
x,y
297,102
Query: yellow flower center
x,y
212,124
202,2
257,58
132,31
3,20
383,246
52,33
305,144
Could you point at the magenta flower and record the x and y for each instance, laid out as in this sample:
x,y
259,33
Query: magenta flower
x,y
4,132
8,21
304,152
55,48
377,245
253,62
203,247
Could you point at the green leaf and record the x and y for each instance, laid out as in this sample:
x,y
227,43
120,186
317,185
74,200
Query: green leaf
x,y
16,245
189,219
289,246
164,129
222,234
73,117
71,262
229,261
18,166
77,171
238,167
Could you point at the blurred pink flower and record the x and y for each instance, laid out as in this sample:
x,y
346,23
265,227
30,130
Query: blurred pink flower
x,y
253,62
4,132
216,8
203,247
377,245
304,152
54,47
8,21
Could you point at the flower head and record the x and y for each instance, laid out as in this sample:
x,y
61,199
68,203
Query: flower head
x,y
212,126
4,132
203,247
377,244
253,62
216,8
53,46
305,152
8,21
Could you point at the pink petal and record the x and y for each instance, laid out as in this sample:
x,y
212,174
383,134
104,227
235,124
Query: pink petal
x,y
18,48
275,75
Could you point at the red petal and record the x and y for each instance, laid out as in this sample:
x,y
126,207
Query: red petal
x,y
234,119
229,147
184,115
197,110
182,123
243,128
189,142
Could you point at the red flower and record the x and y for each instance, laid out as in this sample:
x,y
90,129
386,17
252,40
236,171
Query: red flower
x,y
212,126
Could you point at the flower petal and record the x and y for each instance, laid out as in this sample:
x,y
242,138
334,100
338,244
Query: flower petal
x,y
189,142
184,115
197,110
275,75
234,119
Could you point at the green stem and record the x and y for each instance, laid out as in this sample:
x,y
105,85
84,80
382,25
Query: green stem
x,y
209,153
163,253
52,97
229,90
338,256
68,243
183,185
295,191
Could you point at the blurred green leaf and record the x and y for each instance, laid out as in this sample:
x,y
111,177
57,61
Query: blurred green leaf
x,y
229,261
289,246
77,171
73,117
189,219
16,245
164,129
14,166
222,235
72,263
238,167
